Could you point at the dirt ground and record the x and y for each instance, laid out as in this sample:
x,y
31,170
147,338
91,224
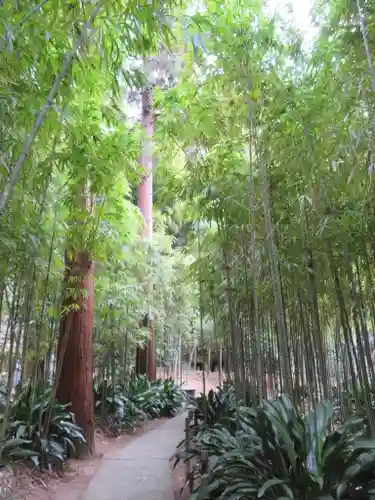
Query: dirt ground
x,y
78,473
194,380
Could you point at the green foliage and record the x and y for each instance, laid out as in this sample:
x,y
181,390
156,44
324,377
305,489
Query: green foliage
x,y
15,449
127,405
117,408
264,164
276,452
122,302
74,188
163,398
217,405
41,429
267,149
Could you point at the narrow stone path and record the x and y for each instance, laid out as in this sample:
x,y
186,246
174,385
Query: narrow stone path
x,y
141,470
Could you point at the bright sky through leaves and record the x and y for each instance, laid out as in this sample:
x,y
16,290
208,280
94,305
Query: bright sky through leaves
x,y
297,11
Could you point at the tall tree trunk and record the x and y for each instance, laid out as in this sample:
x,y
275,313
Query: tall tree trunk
x,y
74,351
145,207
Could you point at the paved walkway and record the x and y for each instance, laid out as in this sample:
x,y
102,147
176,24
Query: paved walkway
x,y
141,471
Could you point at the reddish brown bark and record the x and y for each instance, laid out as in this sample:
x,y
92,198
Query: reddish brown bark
x,y
141,353
146,356
145,360
74,352
141,360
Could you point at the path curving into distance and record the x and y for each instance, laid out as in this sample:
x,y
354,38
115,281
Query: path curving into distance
x,y
141,470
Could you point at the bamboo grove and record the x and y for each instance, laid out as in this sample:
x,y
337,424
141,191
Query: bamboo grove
x,y
264,235
279,169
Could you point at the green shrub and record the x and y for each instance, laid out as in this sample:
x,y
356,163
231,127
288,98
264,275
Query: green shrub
x,y
215,406
43,430
277,453
125,406
137,384
163,398
14,449
117,408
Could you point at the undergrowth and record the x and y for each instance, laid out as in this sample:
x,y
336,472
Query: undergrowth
x,y
43,432
275,451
